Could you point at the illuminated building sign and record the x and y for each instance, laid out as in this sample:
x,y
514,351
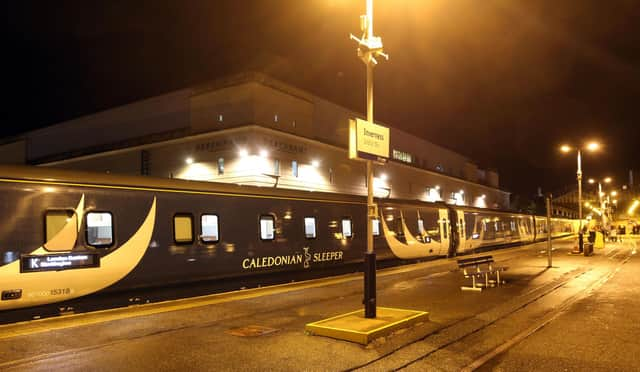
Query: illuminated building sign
x,y
402,156
55,262
368,140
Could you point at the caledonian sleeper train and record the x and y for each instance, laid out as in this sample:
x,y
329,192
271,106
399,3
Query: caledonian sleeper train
x,y
67,234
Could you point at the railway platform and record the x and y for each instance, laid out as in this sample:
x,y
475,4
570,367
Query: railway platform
x,y
583,313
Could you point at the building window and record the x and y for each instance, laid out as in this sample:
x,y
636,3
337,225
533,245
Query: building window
x,y
294,168
99,229
267,227
183,228
220,118
220,166
61,228
310,227
275,118
209,230
402,156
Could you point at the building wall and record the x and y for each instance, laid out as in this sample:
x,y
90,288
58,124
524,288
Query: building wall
x,y
159,114
249,155
211,124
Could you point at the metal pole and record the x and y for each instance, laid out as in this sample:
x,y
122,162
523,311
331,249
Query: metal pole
x,y
549,263
370,256
579,173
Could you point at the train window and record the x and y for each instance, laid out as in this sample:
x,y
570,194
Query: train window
x,y
375,226
99,229
61,230
421,226
267,227
444,229
209,230
294,168
310,227
183,228
220,166
346,228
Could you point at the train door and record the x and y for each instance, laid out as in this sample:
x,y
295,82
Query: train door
x,y
462,231
443,222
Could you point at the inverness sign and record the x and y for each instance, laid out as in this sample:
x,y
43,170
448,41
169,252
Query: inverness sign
x,y
368,140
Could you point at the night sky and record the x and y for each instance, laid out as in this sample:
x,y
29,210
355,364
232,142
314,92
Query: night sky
x,y
504,82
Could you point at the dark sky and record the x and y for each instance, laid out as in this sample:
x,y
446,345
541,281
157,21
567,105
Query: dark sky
x,y
501,81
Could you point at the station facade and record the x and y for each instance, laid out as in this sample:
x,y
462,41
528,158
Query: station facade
x,y
254,130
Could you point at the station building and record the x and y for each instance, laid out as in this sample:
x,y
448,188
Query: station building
x,y
254,130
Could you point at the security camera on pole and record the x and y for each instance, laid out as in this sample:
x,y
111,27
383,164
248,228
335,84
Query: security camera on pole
x,y
369,48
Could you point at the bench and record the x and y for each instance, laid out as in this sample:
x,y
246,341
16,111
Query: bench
x,y
480,267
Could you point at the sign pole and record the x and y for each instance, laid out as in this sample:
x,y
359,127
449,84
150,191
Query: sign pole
x,y
549,253
370,255
369,47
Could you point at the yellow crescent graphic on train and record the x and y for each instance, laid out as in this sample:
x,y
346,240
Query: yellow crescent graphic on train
x,y
53,286
66,237
413,249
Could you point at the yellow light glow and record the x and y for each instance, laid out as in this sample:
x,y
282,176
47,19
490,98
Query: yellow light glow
x,y
614,193
565,148
243,153
633,207
315,163
607,180
189,160
593,146
592,181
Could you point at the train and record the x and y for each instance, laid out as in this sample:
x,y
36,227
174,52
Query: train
x,y
67,234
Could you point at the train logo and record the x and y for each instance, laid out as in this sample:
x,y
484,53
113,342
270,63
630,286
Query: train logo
x,y
307,257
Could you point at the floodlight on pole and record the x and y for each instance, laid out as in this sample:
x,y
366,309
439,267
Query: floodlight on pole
x,y
591,146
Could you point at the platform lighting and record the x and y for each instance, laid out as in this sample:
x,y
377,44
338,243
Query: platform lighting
x,y
592,146
592,181
189,160
263,153
243,153
383,177
614,193
438,187
607,180
461,192
315,163
483,196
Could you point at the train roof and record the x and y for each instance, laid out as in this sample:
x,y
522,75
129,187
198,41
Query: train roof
x,y
73,177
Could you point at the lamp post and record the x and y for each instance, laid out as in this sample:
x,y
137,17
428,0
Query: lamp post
x,y
369,47
592,146
601,201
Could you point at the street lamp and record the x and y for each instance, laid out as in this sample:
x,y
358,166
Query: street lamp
x,y
605,180
591,146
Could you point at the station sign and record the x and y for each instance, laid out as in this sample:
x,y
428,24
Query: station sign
x,y
56,262
368,140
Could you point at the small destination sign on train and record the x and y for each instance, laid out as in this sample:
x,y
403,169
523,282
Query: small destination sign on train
x,y
55,262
